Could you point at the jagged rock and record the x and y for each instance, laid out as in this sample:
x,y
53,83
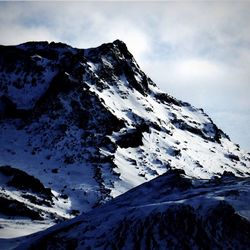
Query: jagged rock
x,y
16,208
23,181
133,138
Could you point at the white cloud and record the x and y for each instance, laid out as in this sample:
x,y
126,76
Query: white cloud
x,y
197,68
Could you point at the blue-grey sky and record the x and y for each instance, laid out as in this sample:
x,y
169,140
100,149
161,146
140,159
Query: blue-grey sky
x,y
196,51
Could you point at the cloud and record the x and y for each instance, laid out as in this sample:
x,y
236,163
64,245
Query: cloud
x,y
82,24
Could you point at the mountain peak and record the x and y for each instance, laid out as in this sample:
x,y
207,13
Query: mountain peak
x,y
121,45
119,42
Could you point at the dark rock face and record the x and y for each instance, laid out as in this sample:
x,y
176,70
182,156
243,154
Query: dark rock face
x,y
179,227
7,107
233,157
15,208
165,98
133,138
228,229
23,181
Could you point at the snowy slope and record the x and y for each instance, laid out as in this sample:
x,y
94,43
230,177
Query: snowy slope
x,y
169,212
90,125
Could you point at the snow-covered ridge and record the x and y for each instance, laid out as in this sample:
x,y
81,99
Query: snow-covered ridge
x,y
90,125
169,212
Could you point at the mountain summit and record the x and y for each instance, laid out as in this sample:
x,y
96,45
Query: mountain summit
x,y
82,126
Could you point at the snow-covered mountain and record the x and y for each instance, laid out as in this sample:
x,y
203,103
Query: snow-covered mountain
x,y
168,212
82,126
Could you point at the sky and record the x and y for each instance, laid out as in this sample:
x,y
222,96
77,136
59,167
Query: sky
x,y
197,51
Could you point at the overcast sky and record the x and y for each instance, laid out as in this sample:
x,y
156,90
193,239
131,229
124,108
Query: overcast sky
x,y
196,51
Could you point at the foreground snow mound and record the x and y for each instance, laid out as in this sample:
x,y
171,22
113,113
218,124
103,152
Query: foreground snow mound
x,y
89,125
169,212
